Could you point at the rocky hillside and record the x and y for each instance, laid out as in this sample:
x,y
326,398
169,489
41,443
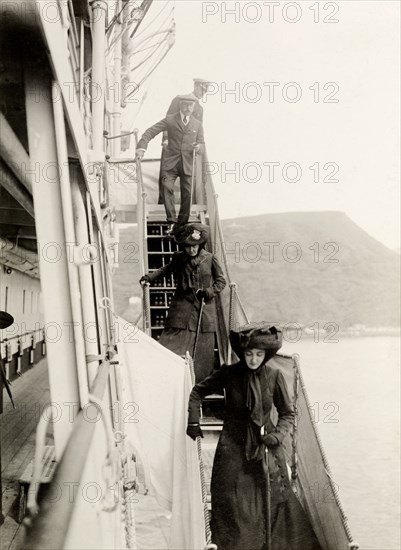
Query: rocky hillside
x,y
297,267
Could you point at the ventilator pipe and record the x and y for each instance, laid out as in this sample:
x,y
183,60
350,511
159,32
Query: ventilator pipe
x,y
92,342
14,154
116,114
99,11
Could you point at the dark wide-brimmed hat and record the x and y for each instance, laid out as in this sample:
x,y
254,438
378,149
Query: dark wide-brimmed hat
x,y
257,336
191,234
6,320
188,97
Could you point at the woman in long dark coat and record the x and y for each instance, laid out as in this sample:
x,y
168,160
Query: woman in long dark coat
x,y
239,487
198,277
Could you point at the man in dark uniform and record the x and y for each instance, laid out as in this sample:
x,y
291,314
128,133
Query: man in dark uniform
x,y
200,88
185,139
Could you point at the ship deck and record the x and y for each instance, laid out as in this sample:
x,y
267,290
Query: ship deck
x,y
31,395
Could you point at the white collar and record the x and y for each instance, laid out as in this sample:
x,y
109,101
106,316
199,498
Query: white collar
x,y
182,118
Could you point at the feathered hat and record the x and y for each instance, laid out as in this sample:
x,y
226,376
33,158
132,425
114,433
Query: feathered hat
x,y
191,234
257,336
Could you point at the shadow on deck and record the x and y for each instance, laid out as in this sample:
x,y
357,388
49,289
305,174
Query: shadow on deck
x,y
31,395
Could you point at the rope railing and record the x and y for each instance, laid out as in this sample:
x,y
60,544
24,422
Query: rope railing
x,y
353,545
141,219
208,532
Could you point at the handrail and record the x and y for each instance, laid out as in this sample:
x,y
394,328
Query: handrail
x,y
141,220
50,527
4,340
222,300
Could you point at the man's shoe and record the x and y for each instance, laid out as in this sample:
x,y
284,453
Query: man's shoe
x,y
171,229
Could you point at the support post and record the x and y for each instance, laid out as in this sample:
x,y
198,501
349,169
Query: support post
x,y
54,255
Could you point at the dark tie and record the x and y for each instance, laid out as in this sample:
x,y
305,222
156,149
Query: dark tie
x,y
185,120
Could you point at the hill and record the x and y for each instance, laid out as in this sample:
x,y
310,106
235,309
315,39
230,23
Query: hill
x,y
302,267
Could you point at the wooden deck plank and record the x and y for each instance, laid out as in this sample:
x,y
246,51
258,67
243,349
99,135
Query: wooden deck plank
x,y
19,539
29,405
10,493
8,532
25,438
31,394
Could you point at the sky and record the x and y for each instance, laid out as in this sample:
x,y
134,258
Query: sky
x,y
312,120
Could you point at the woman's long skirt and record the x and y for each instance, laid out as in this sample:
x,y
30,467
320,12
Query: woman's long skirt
x,y
239,506
180,341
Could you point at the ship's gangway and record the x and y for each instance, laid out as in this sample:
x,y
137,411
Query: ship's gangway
x,y
159,248
303,448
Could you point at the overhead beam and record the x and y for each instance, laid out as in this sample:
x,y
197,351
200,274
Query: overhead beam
x,y
14,155
15,217
16,190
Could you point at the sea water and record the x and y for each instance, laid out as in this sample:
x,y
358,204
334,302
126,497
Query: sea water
x,y
354,389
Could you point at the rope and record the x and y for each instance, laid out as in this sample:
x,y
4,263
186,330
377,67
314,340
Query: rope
x,y
146,308
294,461
153,19
352,544
208,532
129,485
153,68
241,306
128,472
111,464
231,317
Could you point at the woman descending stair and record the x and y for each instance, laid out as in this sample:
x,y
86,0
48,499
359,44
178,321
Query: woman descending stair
x,y
199,278
253,504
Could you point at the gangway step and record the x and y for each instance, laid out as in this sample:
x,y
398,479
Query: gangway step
x,y
213,409
159,252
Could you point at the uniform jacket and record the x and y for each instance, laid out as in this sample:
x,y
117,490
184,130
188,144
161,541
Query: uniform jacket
x,y
185,306
181,139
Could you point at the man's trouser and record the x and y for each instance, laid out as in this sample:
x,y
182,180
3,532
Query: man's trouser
x,y
168,178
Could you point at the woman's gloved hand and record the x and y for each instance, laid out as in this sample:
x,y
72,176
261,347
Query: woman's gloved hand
x,y
144,279
202,294
270,440
194,431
